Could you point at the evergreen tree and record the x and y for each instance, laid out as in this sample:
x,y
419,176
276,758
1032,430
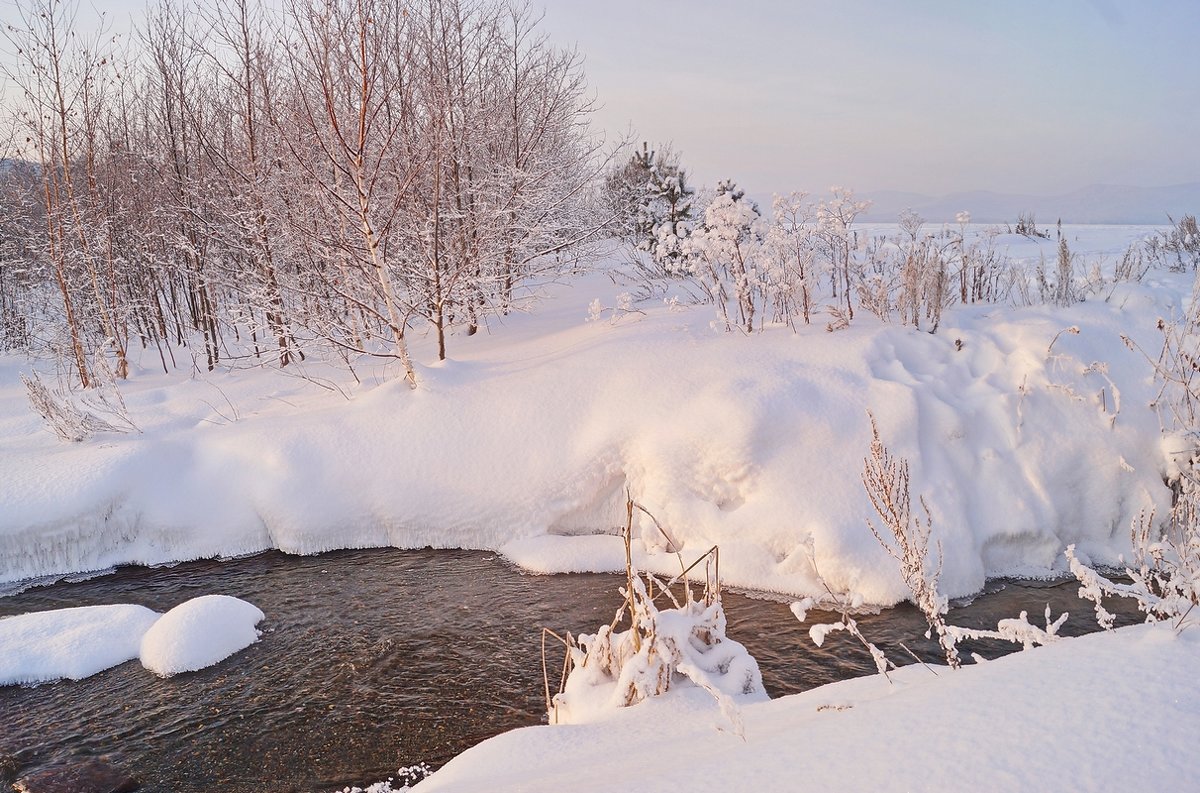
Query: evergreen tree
x,y
652,204
626,188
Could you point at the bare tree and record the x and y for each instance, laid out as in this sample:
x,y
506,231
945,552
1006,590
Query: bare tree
x,y
59,78
352,109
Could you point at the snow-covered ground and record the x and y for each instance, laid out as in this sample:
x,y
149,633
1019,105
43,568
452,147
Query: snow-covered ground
x,y
1112,711
1024,436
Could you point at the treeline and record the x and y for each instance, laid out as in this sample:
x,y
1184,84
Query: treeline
x,y
253,182
809,255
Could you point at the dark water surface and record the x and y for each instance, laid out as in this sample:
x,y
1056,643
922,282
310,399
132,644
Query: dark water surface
x,y
375,659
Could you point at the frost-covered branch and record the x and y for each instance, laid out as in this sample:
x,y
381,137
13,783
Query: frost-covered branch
x,y
1018,630
886,480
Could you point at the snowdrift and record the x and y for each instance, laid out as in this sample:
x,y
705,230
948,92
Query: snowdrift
x,y
1028,429
1069,716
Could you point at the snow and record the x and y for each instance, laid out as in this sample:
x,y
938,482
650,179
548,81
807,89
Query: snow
x,y
75,643
1109,711
199,633
526,440
1028,429
70,643
663,650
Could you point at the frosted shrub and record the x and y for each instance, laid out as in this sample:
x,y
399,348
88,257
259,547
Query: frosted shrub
x,y
886,480
724,253
662,648
651,204
1133,266
834,217
623,308
1027,226
77,419
788,249
1177,248
923,281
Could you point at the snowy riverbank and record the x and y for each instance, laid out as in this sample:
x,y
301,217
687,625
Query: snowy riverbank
x,y
1069,716
1024,436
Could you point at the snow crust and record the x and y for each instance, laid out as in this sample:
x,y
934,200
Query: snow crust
x,y
1109,711
70,643
1023,439
199,633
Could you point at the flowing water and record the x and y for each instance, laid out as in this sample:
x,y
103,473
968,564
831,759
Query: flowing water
x,y
371,660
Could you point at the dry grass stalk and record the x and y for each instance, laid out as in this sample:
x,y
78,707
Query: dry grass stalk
x,y
843,605
73,422
567,643
886,480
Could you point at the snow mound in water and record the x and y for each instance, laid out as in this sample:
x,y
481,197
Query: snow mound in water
x,y
70,643
199,633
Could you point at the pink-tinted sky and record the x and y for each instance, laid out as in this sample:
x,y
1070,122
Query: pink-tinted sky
x,y
933,96
1038,96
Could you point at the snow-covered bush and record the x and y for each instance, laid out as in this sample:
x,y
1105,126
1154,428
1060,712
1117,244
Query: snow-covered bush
x,y
1027,226
835,215
663,648
789,258
724,253
923,283
651,203
1177,248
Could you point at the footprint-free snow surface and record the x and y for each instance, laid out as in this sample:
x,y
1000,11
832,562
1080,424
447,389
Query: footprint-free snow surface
x,y
1076,715
1028,428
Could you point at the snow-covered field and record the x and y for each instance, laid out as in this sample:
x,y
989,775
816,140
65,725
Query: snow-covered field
x,y
1024,436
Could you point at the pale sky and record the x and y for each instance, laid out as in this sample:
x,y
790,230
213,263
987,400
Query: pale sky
x,y
931,96
1030,96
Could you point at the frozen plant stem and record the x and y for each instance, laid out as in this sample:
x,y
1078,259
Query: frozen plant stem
x,y
843,606
886,480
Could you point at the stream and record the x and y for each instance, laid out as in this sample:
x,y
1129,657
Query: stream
x,y
371,660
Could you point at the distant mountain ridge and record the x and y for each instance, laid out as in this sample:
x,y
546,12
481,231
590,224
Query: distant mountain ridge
x,y
1100,203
